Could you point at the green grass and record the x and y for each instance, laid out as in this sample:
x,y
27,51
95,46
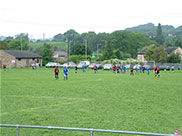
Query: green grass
x,y
40,44
86,100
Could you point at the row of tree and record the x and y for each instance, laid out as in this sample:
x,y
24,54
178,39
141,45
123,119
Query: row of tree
x,y
119,44
158,54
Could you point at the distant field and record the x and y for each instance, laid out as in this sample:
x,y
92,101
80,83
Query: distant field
x,y
86,100
40,44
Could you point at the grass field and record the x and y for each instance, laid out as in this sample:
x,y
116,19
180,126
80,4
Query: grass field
x,y
86,100
40,44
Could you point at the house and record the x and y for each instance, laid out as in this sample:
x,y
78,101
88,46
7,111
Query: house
x,y
169,50
140,56
60,55
174,50
17,58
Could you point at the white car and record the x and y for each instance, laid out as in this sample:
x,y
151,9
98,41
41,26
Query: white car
x,y
69,65
52,65
107,66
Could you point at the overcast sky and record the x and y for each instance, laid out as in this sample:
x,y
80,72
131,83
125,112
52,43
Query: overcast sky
x,y
57,16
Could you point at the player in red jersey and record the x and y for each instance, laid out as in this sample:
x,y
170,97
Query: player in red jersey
x,y
56,71
4,67
131,71
114,69
157,74
95,68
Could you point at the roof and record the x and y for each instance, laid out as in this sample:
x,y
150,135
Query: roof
x,y
60,53
142,51
22,54
169,50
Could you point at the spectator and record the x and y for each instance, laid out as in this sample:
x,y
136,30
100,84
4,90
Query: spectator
x,y
56,71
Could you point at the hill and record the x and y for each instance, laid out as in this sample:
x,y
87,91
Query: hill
x,y
150,29
170,33
61,45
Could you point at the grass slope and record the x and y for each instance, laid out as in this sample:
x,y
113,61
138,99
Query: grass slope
x,y
87,100
40,44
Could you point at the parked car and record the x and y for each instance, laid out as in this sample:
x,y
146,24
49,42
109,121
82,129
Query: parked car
x,y
92,65
127,66
137,65
99,66
69,65
83,63
52,65
107,66
164,67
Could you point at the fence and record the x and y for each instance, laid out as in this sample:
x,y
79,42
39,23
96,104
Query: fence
x,y
83,129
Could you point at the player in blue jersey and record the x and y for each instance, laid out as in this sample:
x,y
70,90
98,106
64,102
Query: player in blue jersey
x,y
121,69
65,71
172,68
136,70
148,69
124,69
140,69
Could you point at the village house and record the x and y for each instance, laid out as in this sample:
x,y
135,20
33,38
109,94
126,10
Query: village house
x,y
60,55
169,50
17,58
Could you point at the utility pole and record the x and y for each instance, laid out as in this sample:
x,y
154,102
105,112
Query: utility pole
x,y
43,36
67,48
21,44
97,50
85,49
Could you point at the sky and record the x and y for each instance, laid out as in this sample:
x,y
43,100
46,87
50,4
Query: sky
x,y
50,17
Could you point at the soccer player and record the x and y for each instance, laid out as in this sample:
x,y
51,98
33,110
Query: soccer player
x,y
140,69
124,68
131,71
76,68
4,67
143,69
136,70
157,74
148,69
56,71
95,68
172,68
83,67
65,71
118,67
114,68
121,69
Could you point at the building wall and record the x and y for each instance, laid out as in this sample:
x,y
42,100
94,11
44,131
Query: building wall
x,y
178,50
12,62
140,57
7,59
25,62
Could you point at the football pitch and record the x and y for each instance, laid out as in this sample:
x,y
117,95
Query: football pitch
x,y
86,100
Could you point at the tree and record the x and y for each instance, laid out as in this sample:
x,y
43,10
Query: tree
x,y
79,49
174,58
22,36
16,44
160,55
46,52
149,53
58,38
178,43
159,36
3,45
126,42
108,51
70,35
